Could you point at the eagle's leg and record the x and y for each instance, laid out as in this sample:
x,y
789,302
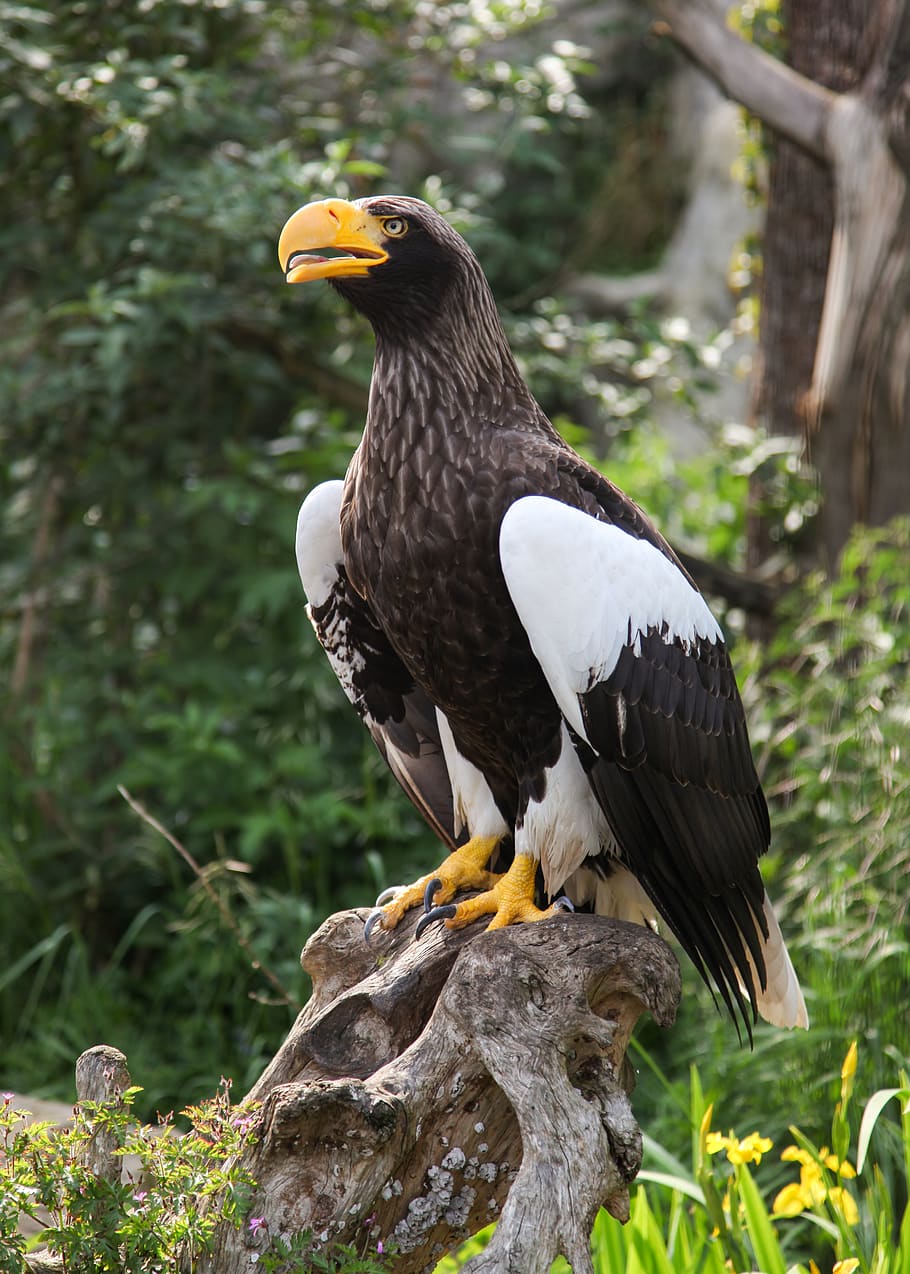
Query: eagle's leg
x,y
510,901
465,868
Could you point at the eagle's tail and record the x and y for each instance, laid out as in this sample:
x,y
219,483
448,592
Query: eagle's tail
x,y
781,1002
611,890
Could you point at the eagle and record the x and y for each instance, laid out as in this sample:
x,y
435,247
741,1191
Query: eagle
x,y
538,669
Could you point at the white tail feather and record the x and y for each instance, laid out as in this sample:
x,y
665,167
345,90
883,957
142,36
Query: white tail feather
x,y
781,1003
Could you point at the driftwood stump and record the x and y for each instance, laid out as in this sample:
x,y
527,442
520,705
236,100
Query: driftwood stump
x,y
428,1088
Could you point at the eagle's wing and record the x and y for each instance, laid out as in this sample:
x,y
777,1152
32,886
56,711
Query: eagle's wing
x,y
639,668
398,714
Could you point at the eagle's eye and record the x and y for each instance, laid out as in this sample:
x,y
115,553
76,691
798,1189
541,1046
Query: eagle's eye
x,y
394,227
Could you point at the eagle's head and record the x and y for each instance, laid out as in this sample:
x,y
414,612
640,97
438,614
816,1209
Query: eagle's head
x,y
392,257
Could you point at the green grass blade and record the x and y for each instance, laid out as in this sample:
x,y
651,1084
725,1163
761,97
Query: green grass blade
x,y
663,1158
902,1265
874,1107
765,1243
137,924
609,1244
35,953
823,1224
648,1242
684,1185
697,1108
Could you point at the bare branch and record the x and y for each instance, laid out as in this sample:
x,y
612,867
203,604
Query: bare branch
x,y
786,101
757,596
44,1262
142,812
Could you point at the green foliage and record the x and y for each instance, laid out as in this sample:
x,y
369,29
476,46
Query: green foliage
x,y
300,1256
703,502
829,712
153,627
835,738
185,1187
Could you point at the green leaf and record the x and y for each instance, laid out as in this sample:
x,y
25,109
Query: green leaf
x,y
873,1109
684,1185
821,1223
650,1252
762,1235
364,168
903,1247
609,1244
44,947
664,1159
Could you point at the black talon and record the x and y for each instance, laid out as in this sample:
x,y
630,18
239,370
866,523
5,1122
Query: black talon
x,y
564,904
445,912
432,887
372,920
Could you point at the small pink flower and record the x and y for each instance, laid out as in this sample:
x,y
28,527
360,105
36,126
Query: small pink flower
x,y
258,1223
379,1247
140,1196
7,1098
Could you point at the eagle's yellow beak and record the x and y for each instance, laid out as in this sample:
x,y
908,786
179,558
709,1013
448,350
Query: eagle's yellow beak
x,y
328,240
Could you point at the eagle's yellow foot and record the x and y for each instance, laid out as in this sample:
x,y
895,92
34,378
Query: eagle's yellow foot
x,y
509,901
465,868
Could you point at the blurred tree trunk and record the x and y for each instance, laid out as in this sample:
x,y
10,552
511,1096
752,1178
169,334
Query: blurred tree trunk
x,y
835,314
830,42
823,43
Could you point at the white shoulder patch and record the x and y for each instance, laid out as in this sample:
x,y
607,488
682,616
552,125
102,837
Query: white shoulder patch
x,y
583,589
318,541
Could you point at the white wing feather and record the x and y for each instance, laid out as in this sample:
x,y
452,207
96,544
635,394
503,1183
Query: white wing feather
x,y
318,541
583,589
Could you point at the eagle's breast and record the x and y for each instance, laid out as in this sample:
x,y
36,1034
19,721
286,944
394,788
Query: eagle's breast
x,y
425,556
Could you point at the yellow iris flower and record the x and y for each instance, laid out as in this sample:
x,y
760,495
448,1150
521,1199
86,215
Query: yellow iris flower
x,y
810,1191
749,1150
